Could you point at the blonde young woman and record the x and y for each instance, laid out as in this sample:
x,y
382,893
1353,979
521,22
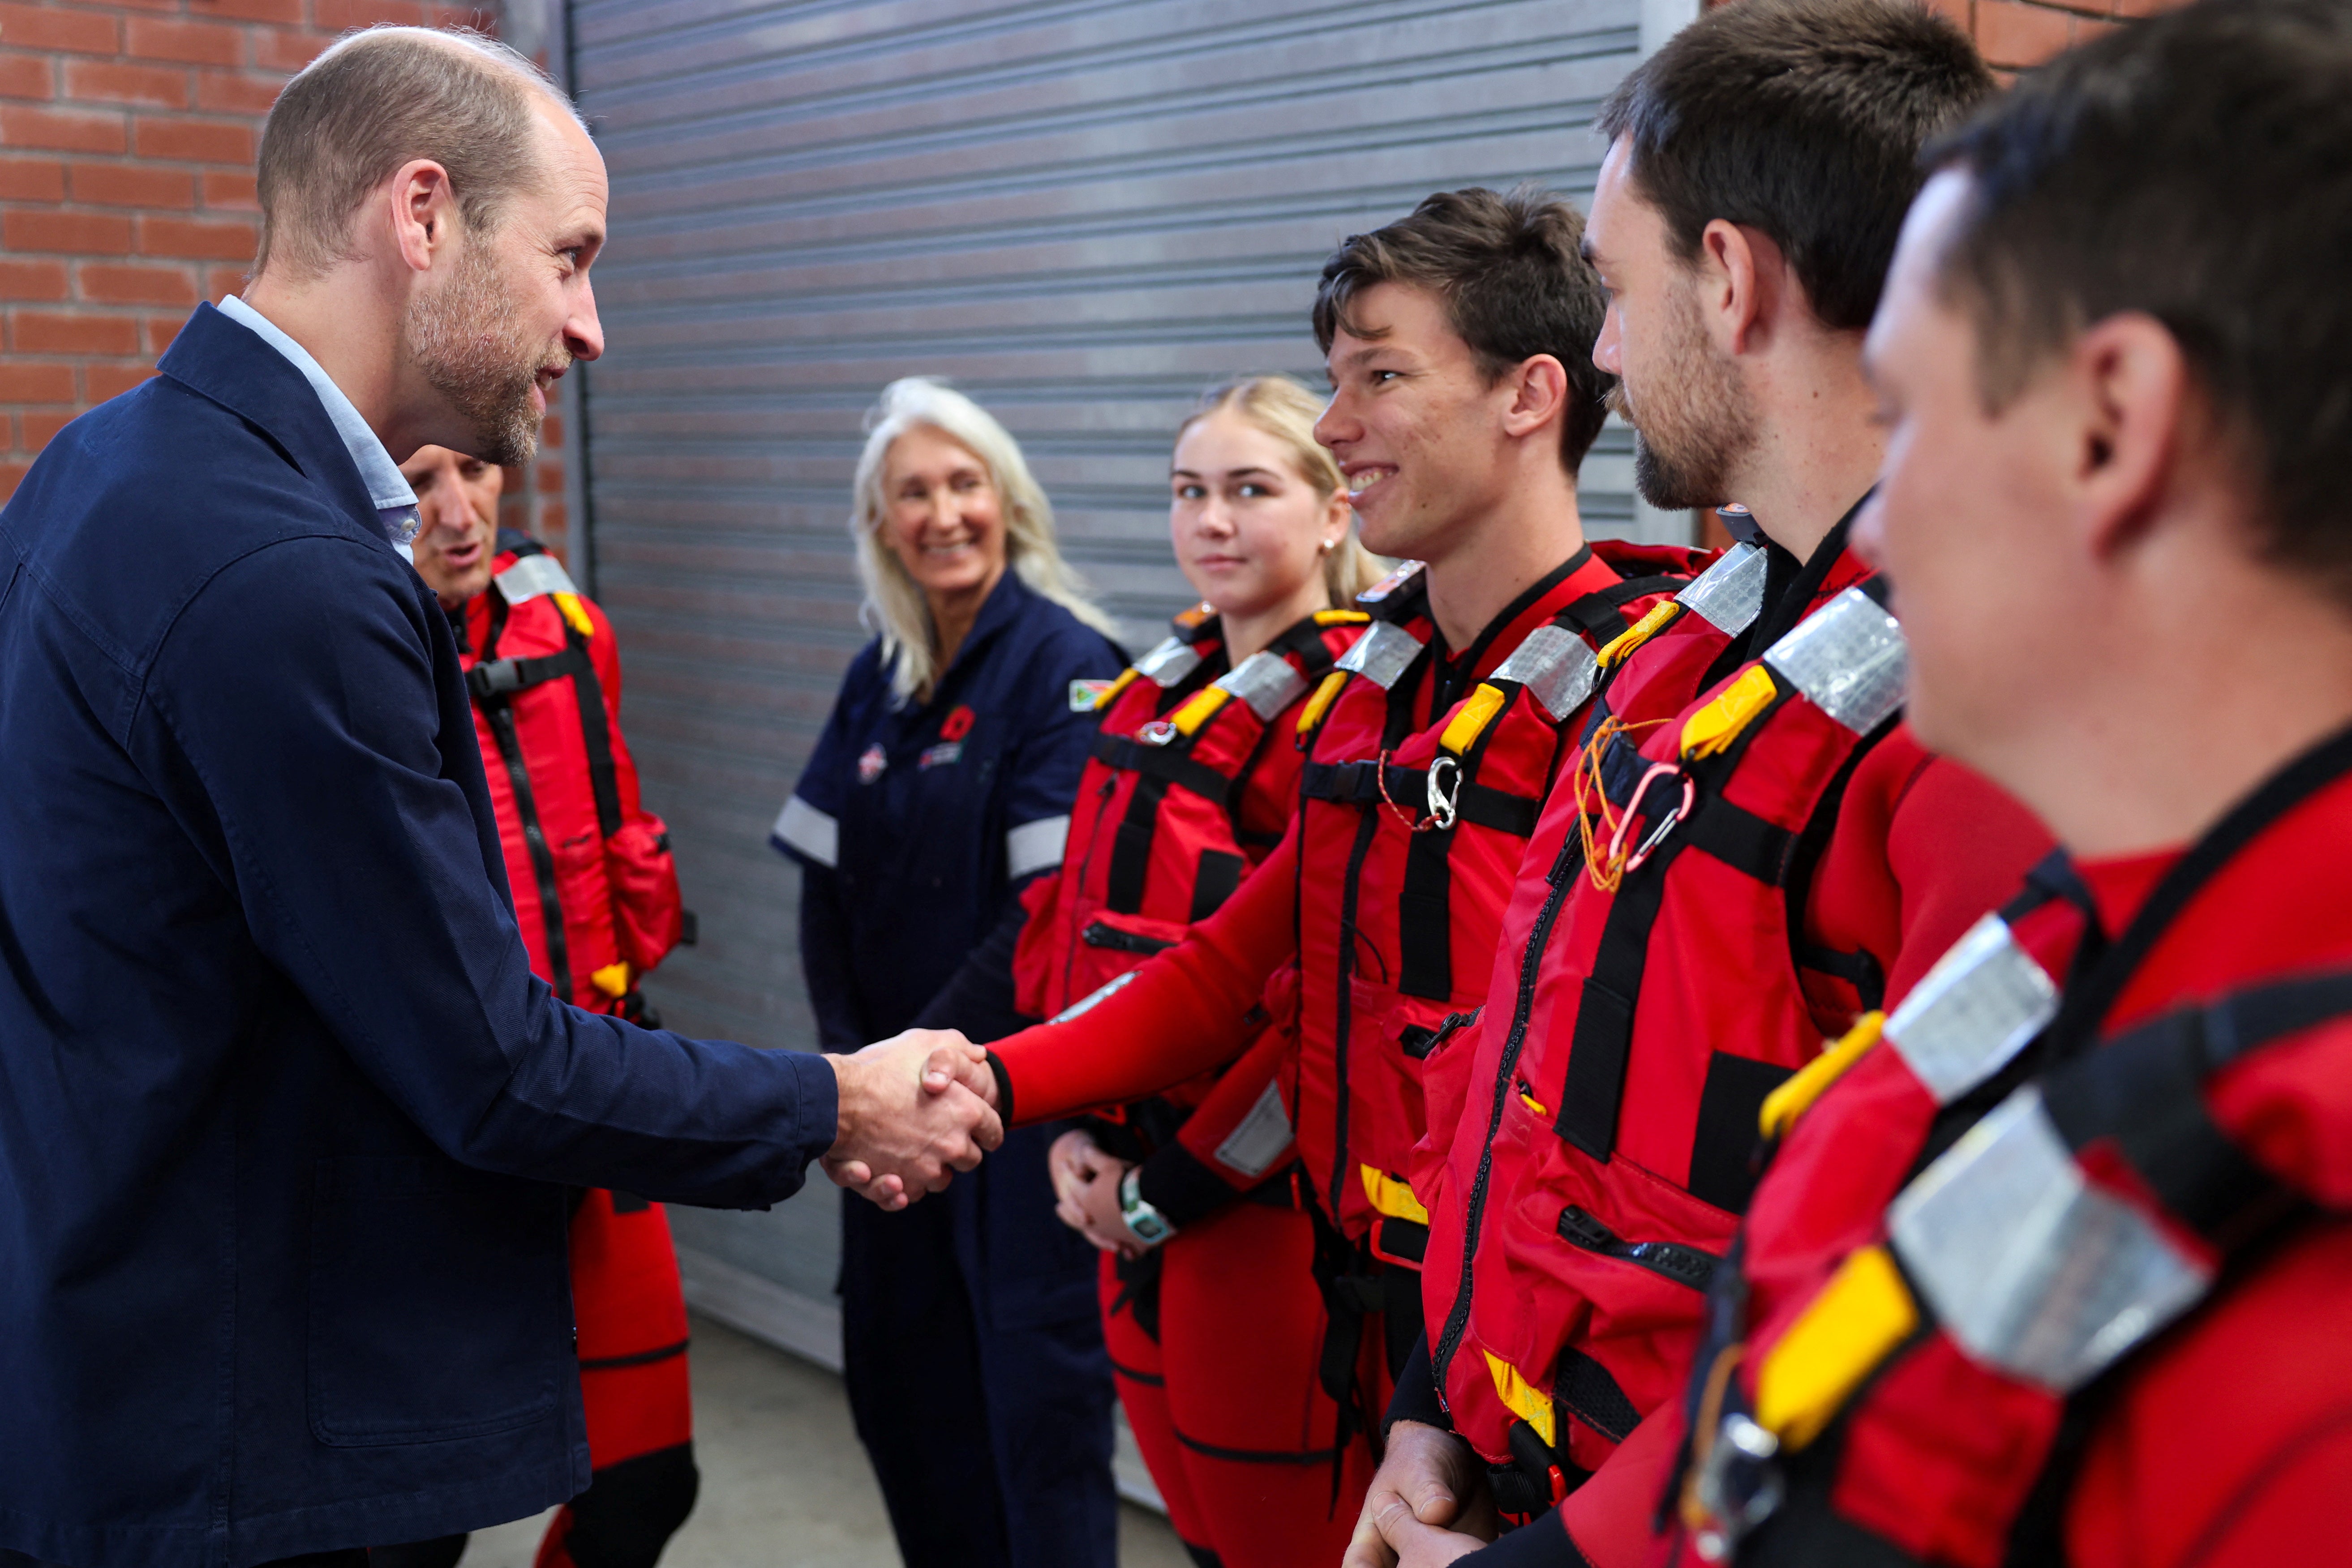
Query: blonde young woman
x,y
940,789
1194,778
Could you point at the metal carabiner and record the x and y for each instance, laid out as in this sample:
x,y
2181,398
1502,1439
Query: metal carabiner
x,y
1159,732
1442,808
1666,824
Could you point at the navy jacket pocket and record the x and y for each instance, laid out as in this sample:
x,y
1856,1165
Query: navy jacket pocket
x,y
439,1307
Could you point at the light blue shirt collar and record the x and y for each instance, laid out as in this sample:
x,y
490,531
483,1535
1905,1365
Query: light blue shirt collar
x,y
395,503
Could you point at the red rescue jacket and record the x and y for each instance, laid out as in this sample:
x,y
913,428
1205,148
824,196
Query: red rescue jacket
x,y
1762,896
2056,1271
1191,783
1420,889
595,889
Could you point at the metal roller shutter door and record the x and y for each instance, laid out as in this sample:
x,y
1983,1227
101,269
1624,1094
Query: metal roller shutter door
x,y
1083,212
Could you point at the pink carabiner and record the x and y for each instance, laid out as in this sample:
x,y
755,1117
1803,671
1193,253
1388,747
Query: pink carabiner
x,y
1634,809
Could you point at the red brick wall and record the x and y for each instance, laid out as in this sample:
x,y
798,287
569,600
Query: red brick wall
x,y
127,137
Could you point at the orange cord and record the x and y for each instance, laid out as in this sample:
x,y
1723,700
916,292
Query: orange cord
x,y
1597,821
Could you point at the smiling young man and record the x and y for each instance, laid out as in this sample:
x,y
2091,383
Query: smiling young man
x,y
2056,1271
1754,851
1459,347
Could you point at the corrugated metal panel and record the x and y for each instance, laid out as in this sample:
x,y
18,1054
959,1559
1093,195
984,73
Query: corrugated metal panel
x,y
1084,212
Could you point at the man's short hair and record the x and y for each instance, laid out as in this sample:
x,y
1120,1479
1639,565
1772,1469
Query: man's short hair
x,y
376,100
1802,119
2195,167
1512,273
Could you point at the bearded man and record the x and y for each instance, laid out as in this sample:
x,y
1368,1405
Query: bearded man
x,y
283,1110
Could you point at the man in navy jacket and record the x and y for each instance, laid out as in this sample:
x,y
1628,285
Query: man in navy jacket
x,y
282,1109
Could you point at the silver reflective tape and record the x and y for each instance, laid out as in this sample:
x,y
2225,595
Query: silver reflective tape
x,y
1259,1141
1267,682
803,828
1092,998
2030,1267
1973,1011
1728,595
1035,846
1170,662
1555,667
1848,659
1381,654
531,576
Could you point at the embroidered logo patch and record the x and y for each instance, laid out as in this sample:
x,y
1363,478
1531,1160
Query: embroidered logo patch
x,y
1086,695
939,756
870,764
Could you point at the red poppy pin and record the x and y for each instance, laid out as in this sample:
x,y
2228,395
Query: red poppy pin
x,y
956,725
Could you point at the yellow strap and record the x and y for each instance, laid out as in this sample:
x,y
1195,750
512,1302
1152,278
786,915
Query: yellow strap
x,y
1614,651
573,615
613,979
1341,618
1320,702
1197,710
1109,694
1796,1096
1718,724
1527,1402
1532,1103
1861,1316
1391,1197
1477,711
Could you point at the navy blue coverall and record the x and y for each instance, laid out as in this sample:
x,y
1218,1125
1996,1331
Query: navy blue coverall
x,y
973,1341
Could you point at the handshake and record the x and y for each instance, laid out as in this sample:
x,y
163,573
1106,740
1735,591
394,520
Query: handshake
x,y
914,1110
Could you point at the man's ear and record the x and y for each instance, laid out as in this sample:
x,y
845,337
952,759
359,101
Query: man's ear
x,y
424,214
1539,393
2131,392
1742,277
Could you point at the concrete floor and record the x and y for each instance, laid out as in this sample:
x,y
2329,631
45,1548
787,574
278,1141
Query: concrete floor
x,y
783,1479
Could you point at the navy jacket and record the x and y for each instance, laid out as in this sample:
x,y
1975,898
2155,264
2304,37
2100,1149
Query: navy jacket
x,y
919,823
281,1267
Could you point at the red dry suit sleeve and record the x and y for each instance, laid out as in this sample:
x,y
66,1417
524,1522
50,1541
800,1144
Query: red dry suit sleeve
x,y
1923,847
1183,1012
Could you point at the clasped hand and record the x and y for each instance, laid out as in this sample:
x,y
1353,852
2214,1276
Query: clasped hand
x,y
1428,1505
1085,1192
914,1110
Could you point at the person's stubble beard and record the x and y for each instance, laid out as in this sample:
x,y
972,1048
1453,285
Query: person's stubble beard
x,y
1695,426
462,337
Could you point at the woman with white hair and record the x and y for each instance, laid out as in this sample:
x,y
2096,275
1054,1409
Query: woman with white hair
x,y
940,789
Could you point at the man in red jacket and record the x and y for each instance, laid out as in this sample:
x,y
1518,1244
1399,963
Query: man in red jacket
x,y
2055,1269
594,891
1758,854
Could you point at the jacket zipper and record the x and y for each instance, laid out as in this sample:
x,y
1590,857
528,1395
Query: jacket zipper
x,y
1085,863
1457,1321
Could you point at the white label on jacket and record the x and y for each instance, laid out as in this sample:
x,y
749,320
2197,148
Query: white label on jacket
x,y
1035,846
1266,681
2030,1267
1382,654
1728,595
531,576
1850,660
1973,1011
1260,1138
805,831
1555,667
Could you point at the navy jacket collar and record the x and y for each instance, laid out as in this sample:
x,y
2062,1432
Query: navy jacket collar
x,y
1003,606
219,359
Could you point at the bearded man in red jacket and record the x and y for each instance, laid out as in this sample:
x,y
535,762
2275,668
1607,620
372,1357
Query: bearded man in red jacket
x,y
593,889
2051,1263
